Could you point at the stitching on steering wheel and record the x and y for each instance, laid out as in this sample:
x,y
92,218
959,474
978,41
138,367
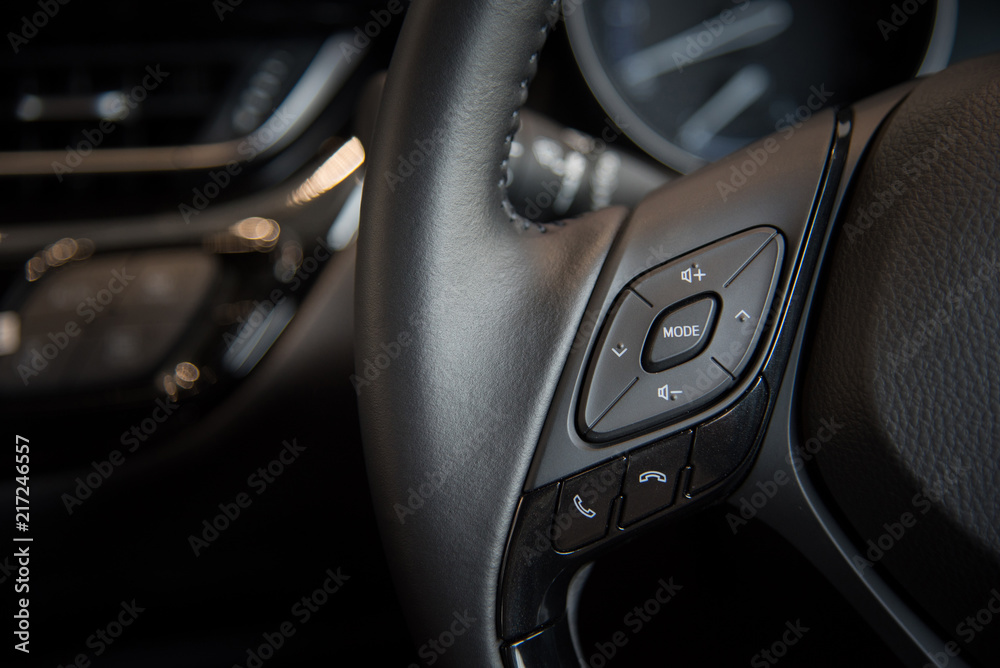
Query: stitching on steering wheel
x,y
550,18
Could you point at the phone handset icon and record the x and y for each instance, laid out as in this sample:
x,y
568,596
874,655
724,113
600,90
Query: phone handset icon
x,y
652,475
578,502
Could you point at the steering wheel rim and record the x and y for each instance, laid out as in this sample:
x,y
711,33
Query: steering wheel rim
x,y
446,160
466,315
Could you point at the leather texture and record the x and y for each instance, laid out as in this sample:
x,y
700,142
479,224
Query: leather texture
x,y
906,360
464,314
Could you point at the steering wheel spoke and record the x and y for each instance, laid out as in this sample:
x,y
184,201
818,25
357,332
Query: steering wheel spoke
x,y
560,392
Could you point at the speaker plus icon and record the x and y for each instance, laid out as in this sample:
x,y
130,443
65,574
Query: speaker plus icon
x,y
688,277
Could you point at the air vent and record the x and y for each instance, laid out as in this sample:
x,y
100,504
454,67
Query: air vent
x,y
135,96
140,126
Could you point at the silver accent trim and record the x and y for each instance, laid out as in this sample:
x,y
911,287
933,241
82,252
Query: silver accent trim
x,y
345,225
253,341
324,76
942,38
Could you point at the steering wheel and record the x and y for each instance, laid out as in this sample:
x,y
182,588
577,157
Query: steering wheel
x,y
805,329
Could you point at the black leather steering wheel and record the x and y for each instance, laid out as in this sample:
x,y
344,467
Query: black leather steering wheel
x,y
862,379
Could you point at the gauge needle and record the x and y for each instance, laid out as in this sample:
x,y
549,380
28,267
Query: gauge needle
x,y
758,23
736,95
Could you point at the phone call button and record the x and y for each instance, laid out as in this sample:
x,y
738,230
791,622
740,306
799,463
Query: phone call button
x,y
652,477
585,506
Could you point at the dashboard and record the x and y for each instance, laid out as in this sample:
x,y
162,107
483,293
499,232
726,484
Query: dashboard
x,y
182,193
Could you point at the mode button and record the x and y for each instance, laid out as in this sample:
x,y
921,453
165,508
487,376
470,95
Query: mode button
x,y
679,335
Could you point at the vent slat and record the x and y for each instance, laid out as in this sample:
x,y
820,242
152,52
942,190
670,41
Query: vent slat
x,y
62,95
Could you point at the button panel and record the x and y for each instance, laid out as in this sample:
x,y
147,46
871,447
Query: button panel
x,y
650,481
638,377
566,524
